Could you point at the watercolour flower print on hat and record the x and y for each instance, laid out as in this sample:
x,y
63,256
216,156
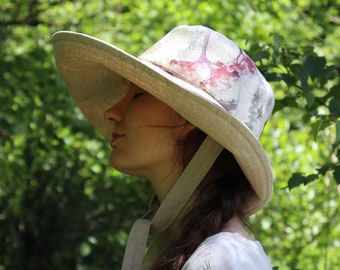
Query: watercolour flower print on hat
x,y
218,70
223,74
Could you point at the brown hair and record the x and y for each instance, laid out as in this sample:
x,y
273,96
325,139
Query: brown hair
x,y
221,196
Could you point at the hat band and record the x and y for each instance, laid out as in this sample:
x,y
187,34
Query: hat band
x,y
172,205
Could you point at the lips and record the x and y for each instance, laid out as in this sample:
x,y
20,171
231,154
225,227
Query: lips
x,y
115,138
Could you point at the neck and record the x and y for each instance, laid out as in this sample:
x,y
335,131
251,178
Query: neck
x,y
163,182
235,226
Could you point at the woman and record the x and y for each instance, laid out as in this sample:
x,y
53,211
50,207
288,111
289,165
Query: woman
x,y
186,115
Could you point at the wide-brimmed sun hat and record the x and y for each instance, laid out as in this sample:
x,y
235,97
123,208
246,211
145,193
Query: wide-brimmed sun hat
x,y
198,72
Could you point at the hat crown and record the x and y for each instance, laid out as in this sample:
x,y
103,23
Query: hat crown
x,y
212,62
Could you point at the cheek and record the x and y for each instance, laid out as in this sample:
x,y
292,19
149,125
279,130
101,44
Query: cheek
x,y
168,117
158,143
162,151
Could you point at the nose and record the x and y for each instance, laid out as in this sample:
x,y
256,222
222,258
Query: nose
x,y
111,116
115,114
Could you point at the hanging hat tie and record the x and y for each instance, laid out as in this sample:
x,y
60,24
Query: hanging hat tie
x,y
173,204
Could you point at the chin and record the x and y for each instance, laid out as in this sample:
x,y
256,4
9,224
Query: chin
x,y
116,164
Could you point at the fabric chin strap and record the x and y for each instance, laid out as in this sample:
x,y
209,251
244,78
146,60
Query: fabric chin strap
x,y
173,204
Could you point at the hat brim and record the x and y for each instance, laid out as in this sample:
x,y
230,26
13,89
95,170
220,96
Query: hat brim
x,y
97,74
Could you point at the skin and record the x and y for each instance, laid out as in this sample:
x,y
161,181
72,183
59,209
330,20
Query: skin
x,y
145,143
145,139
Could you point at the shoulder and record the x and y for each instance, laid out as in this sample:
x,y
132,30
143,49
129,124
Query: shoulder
x,y
230,252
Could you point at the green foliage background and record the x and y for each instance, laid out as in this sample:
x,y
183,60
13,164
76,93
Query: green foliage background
x,y
61,204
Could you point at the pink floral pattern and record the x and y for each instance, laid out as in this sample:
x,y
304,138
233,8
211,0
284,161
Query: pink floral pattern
x,y
215,64
220,74
218,70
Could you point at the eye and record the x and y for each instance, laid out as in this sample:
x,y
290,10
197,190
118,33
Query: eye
x,y
137,95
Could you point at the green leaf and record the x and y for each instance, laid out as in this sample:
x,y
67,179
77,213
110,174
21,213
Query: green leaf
x,y
285,102
335,92
318,125
329,166
334,107
278,41
336,175
306,88
337,131
313,64
298,179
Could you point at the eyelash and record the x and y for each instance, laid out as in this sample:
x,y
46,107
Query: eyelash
x,y
137,95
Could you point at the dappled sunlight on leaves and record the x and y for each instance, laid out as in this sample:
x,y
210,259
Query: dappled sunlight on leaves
x,y
62,206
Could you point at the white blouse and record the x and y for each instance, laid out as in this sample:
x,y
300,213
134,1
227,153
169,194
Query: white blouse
x,y
228,251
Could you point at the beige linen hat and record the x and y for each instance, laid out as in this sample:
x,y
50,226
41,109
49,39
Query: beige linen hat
x,y
202,75
198,72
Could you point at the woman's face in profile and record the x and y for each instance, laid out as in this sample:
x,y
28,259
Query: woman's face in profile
x,y
145,135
